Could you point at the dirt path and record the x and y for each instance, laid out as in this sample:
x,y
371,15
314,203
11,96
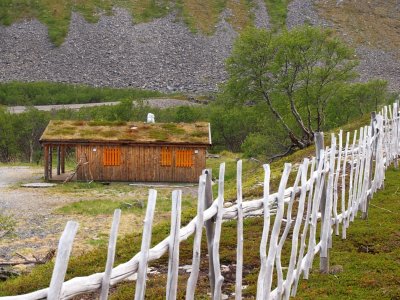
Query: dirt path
x,y
158,103
39,224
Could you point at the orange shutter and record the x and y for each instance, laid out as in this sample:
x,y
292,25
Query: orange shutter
x,y
112,156
166,157
184,158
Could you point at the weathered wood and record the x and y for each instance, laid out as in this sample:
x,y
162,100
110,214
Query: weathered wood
x,y
144,249
319,144
336,181
326,218
62,158
61,264
318,193
219,279
343,198
112,243
209,225
284,235
239,248
304,233
199,221
173,259
275,231
295,235
46,162
58,160
262,276
50,165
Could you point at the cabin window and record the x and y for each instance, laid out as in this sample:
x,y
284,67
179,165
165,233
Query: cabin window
x,y
184,158
166,157
112,156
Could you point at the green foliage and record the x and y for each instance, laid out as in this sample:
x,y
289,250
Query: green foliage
x,y
298,78
19,135
277,12
57,14
44,93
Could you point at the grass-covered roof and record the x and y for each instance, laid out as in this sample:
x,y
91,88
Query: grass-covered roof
x,y
127,132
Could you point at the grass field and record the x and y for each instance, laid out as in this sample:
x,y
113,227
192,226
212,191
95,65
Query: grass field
x,y
44,93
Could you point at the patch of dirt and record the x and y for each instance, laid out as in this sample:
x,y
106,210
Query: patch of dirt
x,y
39,227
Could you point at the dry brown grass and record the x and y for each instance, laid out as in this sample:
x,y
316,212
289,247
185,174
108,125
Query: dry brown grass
x,y
201,15
241,15
372,23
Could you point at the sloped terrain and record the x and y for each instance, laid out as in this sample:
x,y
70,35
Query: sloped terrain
x,y
175,45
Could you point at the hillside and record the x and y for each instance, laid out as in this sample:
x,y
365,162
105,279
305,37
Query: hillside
x,y
174,45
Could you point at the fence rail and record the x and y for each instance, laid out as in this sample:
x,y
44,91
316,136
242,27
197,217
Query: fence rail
x,y
330,188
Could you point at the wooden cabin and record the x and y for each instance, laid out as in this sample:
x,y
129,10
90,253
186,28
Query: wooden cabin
x,y
127,151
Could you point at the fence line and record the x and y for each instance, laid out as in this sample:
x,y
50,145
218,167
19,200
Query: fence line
x,y
314,196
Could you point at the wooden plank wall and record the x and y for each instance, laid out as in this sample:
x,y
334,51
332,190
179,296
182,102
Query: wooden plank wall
x,y
140,164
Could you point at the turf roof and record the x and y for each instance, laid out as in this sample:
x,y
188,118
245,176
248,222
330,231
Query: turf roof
x,y
131,132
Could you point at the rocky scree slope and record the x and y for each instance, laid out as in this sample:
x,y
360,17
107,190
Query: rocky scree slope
x,y
162,54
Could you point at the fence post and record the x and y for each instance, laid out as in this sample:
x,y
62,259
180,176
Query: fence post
x,y
105,283
210,228
319,145
144,250
373,155
60,267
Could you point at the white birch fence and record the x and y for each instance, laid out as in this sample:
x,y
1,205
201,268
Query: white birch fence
x,y
332,188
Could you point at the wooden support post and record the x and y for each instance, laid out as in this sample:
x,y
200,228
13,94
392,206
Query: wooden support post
x,y
62,159
58,160
50,165
46,162
319,145
210,229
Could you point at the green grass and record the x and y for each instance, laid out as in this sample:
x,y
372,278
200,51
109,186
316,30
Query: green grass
x,y
373,275
199,15
277,11
57,14
43,93
101,207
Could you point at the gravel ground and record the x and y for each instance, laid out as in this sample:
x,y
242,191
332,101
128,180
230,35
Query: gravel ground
x,y
39,227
